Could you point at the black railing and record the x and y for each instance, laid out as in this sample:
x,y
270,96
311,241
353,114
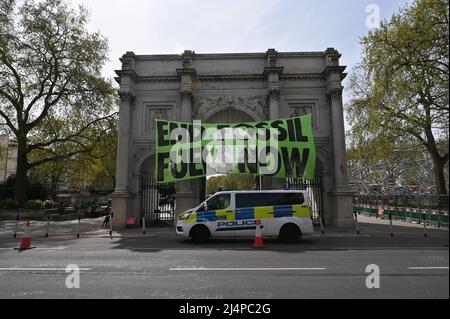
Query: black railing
x,y
157,201
314,188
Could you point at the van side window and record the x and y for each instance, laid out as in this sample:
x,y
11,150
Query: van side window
x,y
268,199
219,202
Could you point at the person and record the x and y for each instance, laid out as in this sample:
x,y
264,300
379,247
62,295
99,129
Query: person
x,y
107,219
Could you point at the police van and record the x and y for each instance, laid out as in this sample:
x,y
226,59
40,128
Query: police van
x,y
285,214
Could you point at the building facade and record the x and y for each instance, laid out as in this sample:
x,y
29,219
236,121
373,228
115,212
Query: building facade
x,y
226,88
8,158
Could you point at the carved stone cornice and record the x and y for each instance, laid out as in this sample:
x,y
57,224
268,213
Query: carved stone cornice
x,y
160,78
185,71
335,69
273,69
301,77
234,77
124,73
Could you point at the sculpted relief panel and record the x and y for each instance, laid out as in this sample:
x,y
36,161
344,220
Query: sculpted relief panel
x,y
256,105
152,112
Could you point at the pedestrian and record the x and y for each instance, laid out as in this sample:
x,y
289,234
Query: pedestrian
x,y
107,219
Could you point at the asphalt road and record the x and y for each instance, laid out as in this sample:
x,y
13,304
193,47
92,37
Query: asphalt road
x,y
163,266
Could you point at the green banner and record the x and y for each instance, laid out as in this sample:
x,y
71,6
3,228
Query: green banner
x,y
278,148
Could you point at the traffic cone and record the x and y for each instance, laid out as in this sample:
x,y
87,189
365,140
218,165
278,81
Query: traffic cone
x,y
258,237
25,242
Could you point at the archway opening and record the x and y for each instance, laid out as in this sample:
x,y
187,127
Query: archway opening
x,y
214,181
157,202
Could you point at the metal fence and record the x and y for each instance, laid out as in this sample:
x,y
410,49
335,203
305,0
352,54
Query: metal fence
x,y
419,208
157,201
314,188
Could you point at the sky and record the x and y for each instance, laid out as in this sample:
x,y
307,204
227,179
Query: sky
x,y
221,26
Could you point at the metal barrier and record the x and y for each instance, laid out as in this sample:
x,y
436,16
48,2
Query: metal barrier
x,y
47,220
430,209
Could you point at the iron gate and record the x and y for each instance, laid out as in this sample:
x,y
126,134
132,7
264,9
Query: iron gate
x,y
314,188
157,201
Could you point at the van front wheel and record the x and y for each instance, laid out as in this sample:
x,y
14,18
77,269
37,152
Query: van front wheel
x,y
200,234
290,233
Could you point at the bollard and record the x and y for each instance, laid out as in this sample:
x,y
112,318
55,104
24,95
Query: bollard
x,y
17,225
48,226
390,223
357,226
424,225
110,224
143,225
79,224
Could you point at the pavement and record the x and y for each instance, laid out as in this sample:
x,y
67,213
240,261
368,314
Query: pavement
x,y
162,265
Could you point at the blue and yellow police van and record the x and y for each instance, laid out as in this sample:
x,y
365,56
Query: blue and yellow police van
x,y
285,214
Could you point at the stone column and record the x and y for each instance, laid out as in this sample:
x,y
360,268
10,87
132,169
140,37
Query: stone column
x,y
338,133
122,195
341,193
272,74
186,195
123,146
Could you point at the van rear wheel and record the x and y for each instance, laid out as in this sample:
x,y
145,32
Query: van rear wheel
x,y
200,234
290,233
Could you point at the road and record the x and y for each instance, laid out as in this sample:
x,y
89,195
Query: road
x,y
163,266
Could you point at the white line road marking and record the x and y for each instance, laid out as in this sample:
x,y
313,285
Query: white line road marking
x,y
39,269
243,269
424,268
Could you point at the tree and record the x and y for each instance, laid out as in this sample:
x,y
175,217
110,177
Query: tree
x,y
52,97
400,88
231,181
93,169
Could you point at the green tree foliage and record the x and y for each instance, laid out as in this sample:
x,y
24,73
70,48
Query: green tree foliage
x,y
400,88
52,96
95,169
231,181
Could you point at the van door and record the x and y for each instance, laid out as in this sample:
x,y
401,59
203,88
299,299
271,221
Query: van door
x,y
218,215
249,208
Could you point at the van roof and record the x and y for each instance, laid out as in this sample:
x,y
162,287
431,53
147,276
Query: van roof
x,y
261,191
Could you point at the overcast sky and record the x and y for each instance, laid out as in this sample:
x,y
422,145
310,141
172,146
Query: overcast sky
x,y
215,26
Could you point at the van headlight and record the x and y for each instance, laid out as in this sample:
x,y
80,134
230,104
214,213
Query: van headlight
x,y
184,216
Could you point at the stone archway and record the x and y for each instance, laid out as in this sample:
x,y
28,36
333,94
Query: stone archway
x,y
232,87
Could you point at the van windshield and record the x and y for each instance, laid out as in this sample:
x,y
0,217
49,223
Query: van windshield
x,y
268,199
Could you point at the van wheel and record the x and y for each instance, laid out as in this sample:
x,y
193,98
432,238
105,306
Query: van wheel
x,y
200,234
290,233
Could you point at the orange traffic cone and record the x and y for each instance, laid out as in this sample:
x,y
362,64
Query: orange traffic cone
x,y
258,237
25,242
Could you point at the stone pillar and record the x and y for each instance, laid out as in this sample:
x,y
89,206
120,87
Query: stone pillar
x,y
272,74
186,194
341,193
338,135
122,196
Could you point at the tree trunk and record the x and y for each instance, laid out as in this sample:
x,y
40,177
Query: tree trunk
x,y
438,172
53,191
20,191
